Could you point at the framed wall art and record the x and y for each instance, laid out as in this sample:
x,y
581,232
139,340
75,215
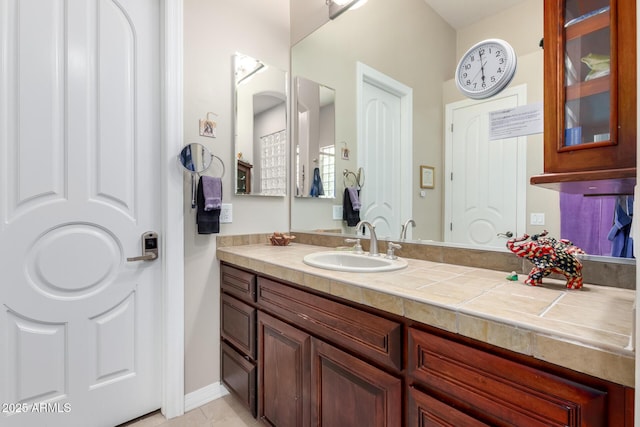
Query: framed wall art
x,y
427,176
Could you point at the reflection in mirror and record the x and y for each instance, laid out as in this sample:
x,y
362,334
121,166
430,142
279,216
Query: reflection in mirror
x,y
260,127
423,54
195,157
314,139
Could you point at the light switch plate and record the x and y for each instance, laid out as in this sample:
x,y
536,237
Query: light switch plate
x,y
226,213
337,212
537,219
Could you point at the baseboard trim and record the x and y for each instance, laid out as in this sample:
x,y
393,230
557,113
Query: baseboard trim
x,y
204,395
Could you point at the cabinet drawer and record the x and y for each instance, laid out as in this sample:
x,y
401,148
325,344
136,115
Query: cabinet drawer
x,y
239,376
371,336
238,324
499,390
239,283
424,410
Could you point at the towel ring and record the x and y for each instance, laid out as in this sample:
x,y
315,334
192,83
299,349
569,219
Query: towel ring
x,y
358,179
221,164
196,159
346,175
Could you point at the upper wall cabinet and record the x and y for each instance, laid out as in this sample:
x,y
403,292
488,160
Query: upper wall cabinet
x,y
589,96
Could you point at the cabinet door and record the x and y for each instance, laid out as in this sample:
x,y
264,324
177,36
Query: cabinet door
x,y
349,392
239,376
238,324
590,85
425,411
283,377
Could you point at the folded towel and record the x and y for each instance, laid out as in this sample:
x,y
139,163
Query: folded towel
x,y
212,190
316,186
208,221
355,200
348,214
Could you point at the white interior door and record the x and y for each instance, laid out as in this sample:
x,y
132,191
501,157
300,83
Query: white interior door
x,y
385,151
485,193
79,152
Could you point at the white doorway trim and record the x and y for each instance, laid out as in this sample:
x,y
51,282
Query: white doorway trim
x,y
520,92
366,74
173,217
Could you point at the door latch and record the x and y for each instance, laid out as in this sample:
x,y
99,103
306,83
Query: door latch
x,y
149,247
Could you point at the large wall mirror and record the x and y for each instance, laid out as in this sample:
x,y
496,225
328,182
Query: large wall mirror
x,y
421,55
261,132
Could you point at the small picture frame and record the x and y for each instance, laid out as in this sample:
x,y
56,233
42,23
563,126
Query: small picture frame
x,y
427,176
208,126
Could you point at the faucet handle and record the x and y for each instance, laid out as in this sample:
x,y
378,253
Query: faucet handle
x,y
391,247
357,248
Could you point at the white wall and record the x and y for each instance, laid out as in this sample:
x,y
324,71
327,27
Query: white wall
x,y
213,31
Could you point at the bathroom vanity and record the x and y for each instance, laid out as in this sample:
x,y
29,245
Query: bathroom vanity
x,y
433,344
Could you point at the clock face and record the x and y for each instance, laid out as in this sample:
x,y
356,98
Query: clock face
x,y
486,69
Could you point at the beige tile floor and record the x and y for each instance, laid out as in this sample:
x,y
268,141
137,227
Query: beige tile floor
x,y
223,412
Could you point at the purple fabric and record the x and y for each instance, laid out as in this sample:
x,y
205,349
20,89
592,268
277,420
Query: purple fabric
x,y
586,221
212,190
355,200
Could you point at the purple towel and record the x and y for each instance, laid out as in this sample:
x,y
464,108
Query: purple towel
x,y
586,221
355,200
212,190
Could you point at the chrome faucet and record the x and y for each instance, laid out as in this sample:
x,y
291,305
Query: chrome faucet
x,y
403,230
373,245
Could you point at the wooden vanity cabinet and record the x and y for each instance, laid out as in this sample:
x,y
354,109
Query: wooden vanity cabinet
x,y
589,96
238,366
498,391
319,361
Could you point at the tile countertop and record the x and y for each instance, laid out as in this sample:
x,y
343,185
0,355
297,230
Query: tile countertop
x,y
587,330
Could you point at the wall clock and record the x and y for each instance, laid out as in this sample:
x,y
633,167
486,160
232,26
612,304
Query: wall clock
x,y
486,68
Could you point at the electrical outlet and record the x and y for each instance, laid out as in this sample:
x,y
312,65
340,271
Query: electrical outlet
x,y
226,213
337,212
537,219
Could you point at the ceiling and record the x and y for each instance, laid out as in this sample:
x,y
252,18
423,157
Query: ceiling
x,y
462,13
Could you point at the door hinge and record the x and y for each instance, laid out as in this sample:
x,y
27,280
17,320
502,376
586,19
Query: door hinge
x,y
451,178
450,226
452,127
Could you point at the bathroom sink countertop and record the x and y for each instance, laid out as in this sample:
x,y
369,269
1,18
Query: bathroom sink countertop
x,y
587,330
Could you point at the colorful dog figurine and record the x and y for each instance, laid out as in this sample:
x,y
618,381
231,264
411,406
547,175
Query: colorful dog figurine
x,y
549,255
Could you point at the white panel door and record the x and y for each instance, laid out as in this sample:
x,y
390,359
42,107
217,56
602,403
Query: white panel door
x,y
79,183
484,177
384,152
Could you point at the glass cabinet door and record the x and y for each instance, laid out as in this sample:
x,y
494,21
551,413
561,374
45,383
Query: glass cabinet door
x,y
589,89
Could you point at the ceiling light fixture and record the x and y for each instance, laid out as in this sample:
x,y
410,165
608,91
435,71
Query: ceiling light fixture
x,y
338,7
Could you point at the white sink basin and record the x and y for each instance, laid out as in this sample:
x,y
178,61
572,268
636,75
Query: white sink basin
x,y
348,261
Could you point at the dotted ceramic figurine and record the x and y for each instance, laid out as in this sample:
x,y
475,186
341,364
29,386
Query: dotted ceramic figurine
x,y
549,255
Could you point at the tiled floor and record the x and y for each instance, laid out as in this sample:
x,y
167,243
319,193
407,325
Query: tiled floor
x,y
223,412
